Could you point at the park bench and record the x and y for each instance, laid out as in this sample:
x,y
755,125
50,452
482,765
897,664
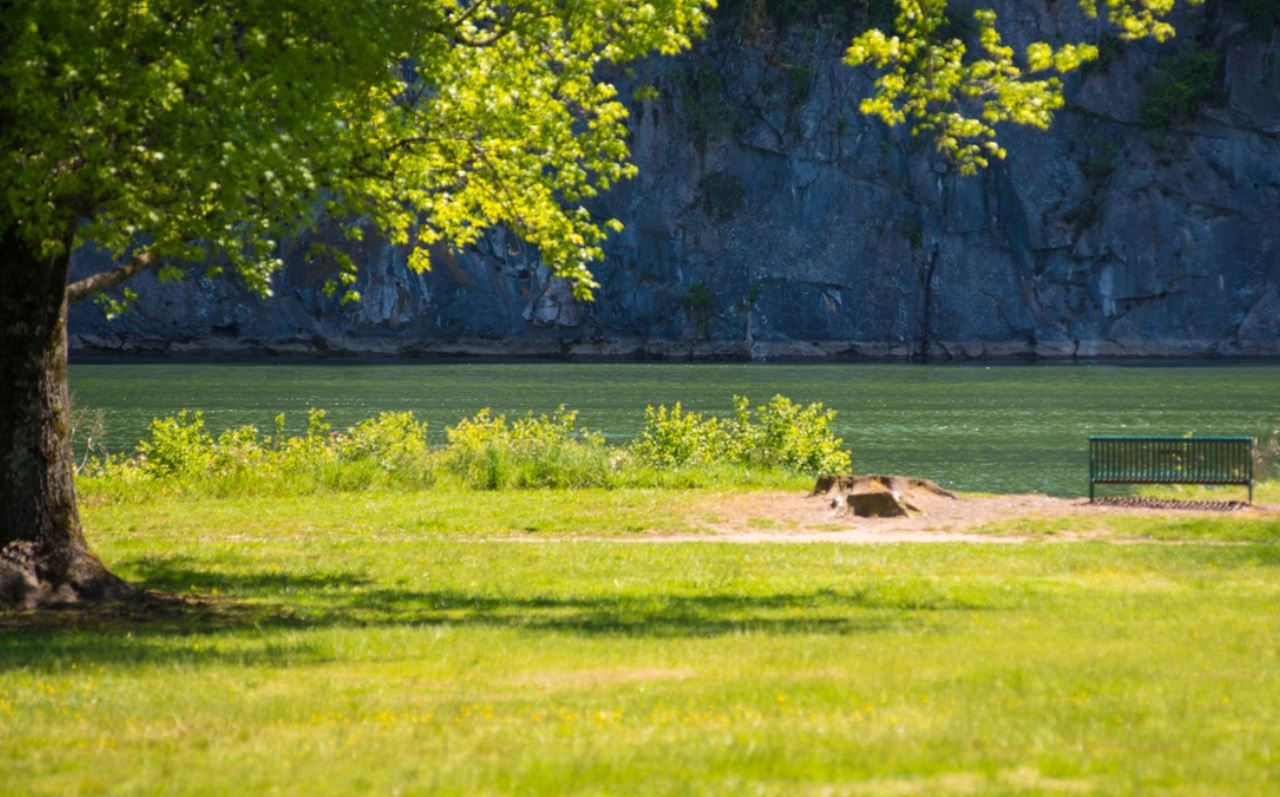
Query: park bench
x,y
1115,459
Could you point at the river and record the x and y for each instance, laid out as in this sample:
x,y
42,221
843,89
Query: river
x,y
997,428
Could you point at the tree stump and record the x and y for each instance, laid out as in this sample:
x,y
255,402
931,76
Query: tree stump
x,y
889,503
877,496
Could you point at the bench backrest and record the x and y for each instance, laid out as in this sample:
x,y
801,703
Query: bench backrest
x,y
1171,460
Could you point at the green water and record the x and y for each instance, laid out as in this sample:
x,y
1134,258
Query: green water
x,y
974,427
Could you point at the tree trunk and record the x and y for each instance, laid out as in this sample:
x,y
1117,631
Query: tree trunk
x,y
44,559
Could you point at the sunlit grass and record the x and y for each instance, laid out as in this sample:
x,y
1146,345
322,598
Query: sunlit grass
x,y
1264,492
388,644
1170,527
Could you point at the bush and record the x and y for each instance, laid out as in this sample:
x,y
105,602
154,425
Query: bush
x,y
487,452
678,439
1263,15
1266,455
1183,83
760,446
778,435
723,195
697,303
180,456
178,446
392,440
706,102
785,435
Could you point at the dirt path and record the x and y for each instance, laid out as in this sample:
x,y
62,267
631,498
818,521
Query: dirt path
x,y
790,517
781,517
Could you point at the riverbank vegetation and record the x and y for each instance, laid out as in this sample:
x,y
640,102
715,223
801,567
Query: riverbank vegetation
x,y
772,444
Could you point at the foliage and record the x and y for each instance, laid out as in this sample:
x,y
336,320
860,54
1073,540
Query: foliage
x,y
487,452
723,195
1096,168
697,303
1108,51
676,439
784,434
800,82
911,227
1263,15
1182,84
184,131
392,440
931,79
881,13
779,434
840,15
1101,162
484,452
180,446
181,456
706,103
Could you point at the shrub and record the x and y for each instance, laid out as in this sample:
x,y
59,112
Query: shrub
x,y
1266,455
784,434
297,455
677,439
392,440
697,303
706,102
487,452
1183,83
178,446
760,446
723,195
911,226
778,435
1263,15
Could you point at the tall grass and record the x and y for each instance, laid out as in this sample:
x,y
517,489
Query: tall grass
x,y
773,444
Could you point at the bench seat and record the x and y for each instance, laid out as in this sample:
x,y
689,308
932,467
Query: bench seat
x,y
1211,460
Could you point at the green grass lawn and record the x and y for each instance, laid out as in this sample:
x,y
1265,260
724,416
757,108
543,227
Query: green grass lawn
x,y
1208,529
387,644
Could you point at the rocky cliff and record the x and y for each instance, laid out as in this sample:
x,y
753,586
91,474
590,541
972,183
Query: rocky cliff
x,y
770,219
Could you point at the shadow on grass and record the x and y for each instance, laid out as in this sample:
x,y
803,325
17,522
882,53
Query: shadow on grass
x,y
249,622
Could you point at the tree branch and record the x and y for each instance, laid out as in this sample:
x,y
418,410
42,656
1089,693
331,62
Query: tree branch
x,y
110,278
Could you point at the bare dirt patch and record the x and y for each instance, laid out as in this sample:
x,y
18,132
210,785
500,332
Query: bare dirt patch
x,y
934,515
793,517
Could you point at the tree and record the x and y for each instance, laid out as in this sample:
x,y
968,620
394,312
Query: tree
x,y
181,133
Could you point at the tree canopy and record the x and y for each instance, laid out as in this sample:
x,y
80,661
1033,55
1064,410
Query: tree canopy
x,y
932,80
183,130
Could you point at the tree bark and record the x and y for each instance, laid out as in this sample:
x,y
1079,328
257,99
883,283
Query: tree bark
x,y
44,559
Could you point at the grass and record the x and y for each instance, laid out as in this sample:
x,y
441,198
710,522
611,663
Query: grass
x,y
393,517
1264,492
1209,530
388,644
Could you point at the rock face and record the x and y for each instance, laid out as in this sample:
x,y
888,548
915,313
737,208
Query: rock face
x,y
771,219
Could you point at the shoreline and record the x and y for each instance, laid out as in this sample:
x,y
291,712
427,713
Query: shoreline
x,y
670,352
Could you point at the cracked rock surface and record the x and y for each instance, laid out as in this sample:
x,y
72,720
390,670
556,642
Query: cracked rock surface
x,y
771,219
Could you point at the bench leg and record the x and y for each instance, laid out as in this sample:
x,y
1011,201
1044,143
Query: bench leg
x,y
1091,491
